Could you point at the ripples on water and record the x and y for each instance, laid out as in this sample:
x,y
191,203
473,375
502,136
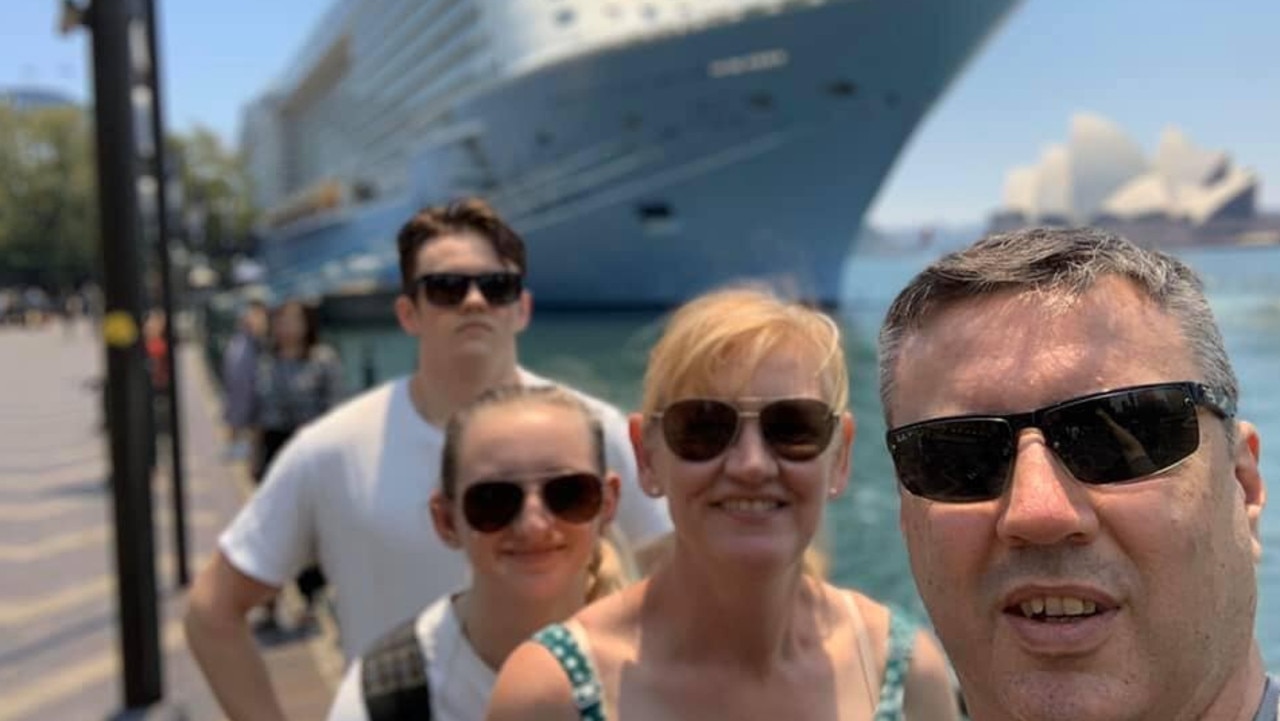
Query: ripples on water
x,y
605,355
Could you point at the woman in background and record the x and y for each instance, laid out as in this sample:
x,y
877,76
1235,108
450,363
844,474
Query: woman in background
x,y
298,380
744,428
525,495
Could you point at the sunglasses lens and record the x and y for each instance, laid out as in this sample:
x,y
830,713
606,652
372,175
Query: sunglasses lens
x,y
954,461
493,505
573,498
450,289
1125,436
699,430
797,429
500,288
445,289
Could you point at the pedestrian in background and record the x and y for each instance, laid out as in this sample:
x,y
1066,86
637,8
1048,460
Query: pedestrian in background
x,y
298,380
239,378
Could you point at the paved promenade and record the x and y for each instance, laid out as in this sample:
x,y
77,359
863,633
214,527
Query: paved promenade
x,y
59,649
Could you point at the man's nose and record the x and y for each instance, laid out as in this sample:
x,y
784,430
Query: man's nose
x,y
1044,504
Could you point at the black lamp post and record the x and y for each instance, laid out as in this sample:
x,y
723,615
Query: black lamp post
x,y
128,387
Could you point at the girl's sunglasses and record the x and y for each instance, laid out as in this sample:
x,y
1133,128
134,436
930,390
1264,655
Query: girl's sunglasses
x,y
449,289
699,429
1102,438
490,506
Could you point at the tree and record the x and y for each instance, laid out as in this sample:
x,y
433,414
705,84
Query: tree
x,y
48,212
48,196
216,181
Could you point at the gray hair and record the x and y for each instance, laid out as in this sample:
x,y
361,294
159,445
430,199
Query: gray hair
x,y
1058,260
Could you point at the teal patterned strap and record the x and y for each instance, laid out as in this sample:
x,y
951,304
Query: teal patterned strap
x,y
588,695
902,638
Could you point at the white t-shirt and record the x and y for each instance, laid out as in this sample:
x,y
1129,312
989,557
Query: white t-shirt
x,y
350,491
460,682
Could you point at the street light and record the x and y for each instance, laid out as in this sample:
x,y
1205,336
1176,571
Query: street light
x,y
128,385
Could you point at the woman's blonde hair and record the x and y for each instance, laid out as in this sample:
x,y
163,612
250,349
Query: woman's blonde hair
x,y
733,330
608,569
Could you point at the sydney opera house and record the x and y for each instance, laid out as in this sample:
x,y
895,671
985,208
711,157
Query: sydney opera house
x,y
1182,195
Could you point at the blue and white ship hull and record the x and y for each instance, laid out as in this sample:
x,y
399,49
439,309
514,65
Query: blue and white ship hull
x,y
642,174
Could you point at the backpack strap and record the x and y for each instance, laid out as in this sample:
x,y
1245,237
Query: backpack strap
x,y
588,695
393,676
902,637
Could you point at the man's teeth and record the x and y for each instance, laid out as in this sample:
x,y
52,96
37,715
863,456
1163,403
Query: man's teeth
x,y
750,505
1058,606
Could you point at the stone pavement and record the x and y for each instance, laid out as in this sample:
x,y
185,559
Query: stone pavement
x,y
59,648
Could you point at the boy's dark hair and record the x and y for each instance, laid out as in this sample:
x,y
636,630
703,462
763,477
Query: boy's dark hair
x,y
465,215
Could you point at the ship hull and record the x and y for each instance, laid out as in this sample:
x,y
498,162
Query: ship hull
x,y
642,175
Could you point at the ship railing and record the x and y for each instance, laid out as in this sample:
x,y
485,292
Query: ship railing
x,y
557,53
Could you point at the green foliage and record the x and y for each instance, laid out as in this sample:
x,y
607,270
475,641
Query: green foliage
x,y
215,177
49,203
48,215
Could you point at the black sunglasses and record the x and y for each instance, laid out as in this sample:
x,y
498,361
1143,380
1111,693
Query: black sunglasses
x,y
1112,437
450,289
492,505
699,429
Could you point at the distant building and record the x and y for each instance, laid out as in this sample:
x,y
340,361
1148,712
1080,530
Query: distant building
x,y
1181,196
30,98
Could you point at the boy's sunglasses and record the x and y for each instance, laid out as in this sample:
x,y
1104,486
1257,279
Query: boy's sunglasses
x,y
490,506
699,429
1112,437
450,289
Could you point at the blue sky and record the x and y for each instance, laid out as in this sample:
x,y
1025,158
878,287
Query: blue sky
x,y
1211,68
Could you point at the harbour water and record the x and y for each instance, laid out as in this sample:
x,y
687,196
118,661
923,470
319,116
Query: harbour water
x,y
605,355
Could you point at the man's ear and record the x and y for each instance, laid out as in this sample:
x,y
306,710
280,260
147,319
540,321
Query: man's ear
x,y
844,458
649,483
406,314
443,519
1254,491
524,310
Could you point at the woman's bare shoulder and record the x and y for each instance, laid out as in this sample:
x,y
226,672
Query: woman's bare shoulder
x,y
611,624
531,686
874,613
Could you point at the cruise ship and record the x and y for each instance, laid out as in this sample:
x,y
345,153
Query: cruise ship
x,y
645,149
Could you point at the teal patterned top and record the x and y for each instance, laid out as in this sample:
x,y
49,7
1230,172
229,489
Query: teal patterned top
x,y
588,694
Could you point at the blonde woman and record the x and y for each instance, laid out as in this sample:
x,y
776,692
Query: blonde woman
x,y
525,495
744,428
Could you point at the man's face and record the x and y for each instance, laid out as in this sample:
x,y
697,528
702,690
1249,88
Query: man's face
x,y
1164,563
473,327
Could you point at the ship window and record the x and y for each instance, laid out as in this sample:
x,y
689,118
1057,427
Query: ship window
x,y
761,101
842,88
564,16
650,12
657,218
654,211
543,138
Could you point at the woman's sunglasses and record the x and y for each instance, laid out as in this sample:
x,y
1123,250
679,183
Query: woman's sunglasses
x,y
1102,438
490,506
699,429
450,289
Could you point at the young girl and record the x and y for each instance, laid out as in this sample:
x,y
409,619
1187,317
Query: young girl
x,y
526,496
